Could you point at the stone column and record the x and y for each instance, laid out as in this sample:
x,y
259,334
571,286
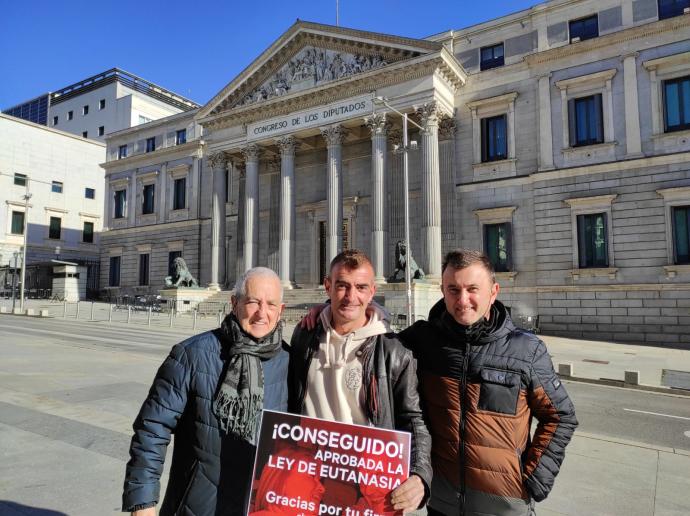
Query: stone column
x,y
287,146
431,193
251,206
218,163
632,110
545,135
334,136
379,220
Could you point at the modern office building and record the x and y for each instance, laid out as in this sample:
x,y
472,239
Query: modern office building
x,y
556,139
102,104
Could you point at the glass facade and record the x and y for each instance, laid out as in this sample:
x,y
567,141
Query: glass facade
x,y
592,241
35,111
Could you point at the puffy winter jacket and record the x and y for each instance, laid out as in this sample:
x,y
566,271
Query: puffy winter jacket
x,y
210,474
480,393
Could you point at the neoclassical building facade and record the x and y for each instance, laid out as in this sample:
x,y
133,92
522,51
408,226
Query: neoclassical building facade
x,y
556,139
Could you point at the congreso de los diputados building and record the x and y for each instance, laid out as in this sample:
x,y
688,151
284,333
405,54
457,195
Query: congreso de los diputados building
x,y
556,139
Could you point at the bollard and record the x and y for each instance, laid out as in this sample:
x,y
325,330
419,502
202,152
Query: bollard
x,y
64,309
110,313
129,313
219,319
149,321
194,326
92,305
171,317
77,309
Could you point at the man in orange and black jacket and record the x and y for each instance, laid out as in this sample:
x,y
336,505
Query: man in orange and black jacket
x,y
482,380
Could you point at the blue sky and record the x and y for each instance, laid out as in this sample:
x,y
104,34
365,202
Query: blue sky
x,y
194,47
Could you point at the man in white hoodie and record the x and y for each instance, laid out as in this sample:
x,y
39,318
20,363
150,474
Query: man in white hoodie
x,y
352,368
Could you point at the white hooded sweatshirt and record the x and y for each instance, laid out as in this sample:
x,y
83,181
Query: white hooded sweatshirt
x,y
334,384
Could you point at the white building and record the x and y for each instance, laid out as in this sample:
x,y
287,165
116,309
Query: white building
x,y
61,173
102,104
556,139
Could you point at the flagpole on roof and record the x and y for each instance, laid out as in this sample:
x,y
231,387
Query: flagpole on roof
x,y
337,14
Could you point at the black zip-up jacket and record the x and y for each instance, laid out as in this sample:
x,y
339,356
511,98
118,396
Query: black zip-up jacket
x,y
392,398
480,387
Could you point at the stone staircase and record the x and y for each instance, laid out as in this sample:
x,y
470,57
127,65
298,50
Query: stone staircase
x,y
294,298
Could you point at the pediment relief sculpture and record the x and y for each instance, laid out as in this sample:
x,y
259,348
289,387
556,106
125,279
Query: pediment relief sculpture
x,y
312,67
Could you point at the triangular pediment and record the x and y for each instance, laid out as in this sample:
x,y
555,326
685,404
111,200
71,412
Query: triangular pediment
x,y
310,55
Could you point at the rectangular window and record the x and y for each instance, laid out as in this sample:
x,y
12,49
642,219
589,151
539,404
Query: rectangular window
x,y
70,115
85,134
179,201
55,120
148,199
120,203
87,234
101,130
17,222
671,8
122,152
491,57
144,269
181,137
497,246
89,193
494,138
114,275
85,110
585,119
101,104
681,234
171,259
144,119
56,187
19,179
151,144
55,230
677,104
592,241
584,28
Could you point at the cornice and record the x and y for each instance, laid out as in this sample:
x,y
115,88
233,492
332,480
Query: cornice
x,y
157,156
583,47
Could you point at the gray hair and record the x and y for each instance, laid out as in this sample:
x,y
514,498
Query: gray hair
x,y
241,283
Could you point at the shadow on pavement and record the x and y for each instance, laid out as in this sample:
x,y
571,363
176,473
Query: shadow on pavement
x,y
22,510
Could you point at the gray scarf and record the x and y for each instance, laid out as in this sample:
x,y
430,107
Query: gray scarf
x,y
240,398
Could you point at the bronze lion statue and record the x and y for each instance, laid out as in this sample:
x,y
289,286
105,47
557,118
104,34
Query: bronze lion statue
x,y
182,277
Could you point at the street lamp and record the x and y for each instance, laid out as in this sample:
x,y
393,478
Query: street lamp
x,y
27,196
406,189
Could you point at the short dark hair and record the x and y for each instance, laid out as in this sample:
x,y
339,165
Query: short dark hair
x,y
351,259
463,258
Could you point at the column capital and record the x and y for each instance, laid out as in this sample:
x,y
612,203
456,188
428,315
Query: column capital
x,y
218,160
287,144
377,123
428,114
251,152
447,127
395,136
334,134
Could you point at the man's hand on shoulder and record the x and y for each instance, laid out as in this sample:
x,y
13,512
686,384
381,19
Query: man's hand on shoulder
x,y
149,511
408,495
309,321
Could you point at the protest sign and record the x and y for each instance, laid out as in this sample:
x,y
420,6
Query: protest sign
x,y
308,467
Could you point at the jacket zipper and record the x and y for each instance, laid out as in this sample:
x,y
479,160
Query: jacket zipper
x,y
463,419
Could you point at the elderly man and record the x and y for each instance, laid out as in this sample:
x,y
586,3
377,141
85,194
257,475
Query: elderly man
x,y
351,368
210,392
482,380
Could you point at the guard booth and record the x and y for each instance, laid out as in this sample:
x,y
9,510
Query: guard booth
x,y
69,280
